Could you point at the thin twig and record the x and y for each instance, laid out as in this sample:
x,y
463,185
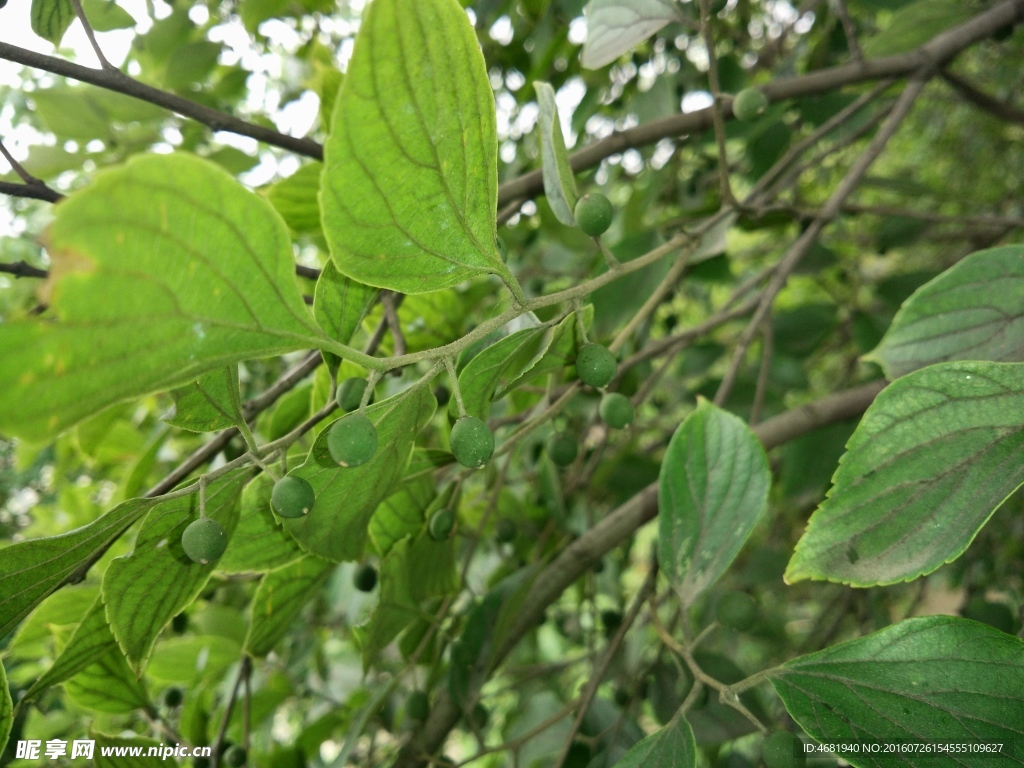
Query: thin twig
x,y
80,13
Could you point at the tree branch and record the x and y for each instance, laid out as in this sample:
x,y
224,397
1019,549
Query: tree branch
x,y
980,99
33,191
22,269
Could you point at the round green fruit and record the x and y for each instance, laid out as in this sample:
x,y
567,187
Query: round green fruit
x,y
173,697
350,394
717,6
204,540
562,449
472,442
365,578
749,104
179,623
996,615
616,410
441,523
736,610
235,756
417,706
478,717
505,531
612,620
595,365
292,497
593,214
352,440
781,749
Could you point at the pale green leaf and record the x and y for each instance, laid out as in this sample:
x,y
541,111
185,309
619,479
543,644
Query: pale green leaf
x,y
559,182
615,26
144,590
31,570
280,597
105,15
932,679
972,311
259,543
51,18
163,269
107,685
915,25
409,191
712,490
934,456
193,657
671,747
346,497
209,403
295,198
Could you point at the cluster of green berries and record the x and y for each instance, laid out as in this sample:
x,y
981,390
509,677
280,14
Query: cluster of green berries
x,y
596,366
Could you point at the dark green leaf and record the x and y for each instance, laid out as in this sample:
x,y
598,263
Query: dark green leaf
x,y
671,747
402,513
280,597
210,403
6,709
107,685
51,18
916,24
259,543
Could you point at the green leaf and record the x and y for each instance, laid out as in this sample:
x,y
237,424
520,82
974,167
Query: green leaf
x,y
671,747
972,311
72,113
105,15
209,403
51,18
932,679
144,590
163,269
295,198
615,26
410,186
126,746
31,570
340,305
559,182
259,542
193,658
346,497
107,685
565,343
91,641
6,709
712,490
402,513
915,25
934,456
280,597
396,608
191,63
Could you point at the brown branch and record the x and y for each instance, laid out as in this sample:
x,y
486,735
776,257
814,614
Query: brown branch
x,y
980,99
89,33
32,191
22,269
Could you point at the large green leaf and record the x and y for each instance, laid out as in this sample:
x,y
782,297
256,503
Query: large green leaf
x,y
615,26
409,192
280,597
916,24
31,570
934,456
972,311
339,306
259,543
295,198
209,403
51,18
108,685
162,269
6,709
559,182
671,747
346,497
712,490
933,679
402,513
144,590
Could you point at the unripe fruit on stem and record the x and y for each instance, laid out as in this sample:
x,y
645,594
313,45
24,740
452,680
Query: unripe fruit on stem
x,y
781,749
749,104
292,497
562,449
616,410
417,706
441,524
595,365
505,531
736,610
472,442
365,578
593,214
235,756
204,540
352,440
350,394
173,697
478,717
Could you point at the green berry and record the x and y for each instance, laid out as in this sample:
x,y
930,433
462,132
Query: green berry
x,y
417,706
612,620
595,365
204,540
173,697
235,756
472,442
996,615
179,623
593,214
562,449
350,394
441,523
616,410
736,610
502,248
717,6
478,717
505,531
365,578
781,749
352,440
292,497
749,104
